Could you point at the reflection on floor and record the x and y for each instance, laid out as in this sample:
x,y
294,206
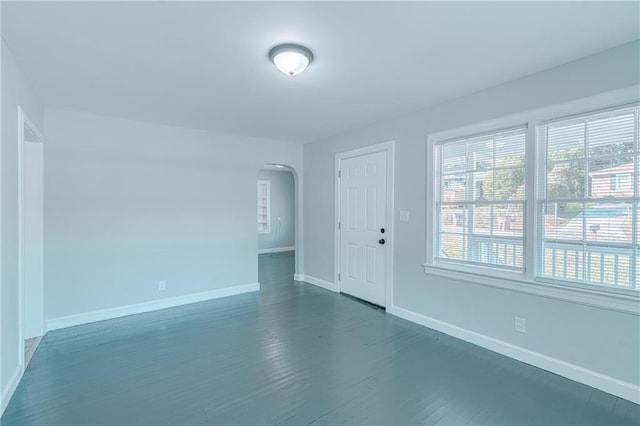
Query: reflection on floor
x,y
290,354
30,346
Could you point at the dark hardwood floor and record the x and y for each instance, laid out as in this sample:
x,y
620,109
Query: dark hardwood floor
x,y
290,354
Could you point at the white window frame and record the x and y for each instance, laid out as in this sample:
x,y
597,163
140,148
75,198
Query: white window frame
x,y
467,266
540,183
267,185
623,300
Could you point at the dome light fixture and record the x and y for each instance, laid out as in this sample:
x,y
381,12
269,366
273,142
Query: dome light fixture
x,y
291,59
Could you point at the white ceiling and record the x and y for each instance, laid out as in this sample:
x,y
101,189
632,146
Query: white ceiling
x,y
205,65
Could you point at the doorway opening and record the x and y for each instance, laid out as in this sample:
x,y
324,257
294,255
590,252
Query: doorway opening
x,y
30,237
276,223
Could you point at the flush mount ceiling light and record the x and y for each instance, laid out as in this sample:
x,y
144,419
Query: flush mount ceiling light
x,y
291,59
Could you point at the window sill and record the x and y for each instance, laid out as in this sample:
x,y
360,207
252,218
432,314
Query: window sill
x,y
616,300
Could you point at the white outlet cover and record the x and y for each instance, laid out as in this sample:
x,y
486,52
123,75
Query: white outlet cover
x,y
162,285
404,216
520,324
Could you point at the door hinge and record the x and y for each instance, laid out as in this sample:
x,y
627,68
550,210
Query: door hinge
x,y
339,173
338,276
339,225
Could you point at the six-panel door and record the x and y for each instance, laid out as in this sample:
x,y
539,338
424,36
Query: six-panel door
x,y
362,215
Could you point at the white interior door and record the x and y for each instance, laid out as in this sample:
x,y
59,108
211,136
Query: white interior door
x,y
363,226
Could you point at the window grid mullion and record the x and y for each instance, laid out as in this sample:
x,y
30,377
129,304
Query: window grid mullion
x,y
633,269
585,195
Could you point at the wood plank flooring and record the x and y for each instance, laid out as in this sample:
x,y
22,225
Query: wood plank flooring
x,y
290,354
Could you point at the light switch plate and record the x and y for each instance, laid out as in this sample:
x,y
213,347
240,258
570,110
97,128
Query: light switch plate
x,y
404,216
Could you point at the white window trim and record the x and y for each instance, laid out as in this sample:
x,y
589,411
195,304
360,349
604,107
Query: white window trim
x,y
541,184
623,300
266,183
466,266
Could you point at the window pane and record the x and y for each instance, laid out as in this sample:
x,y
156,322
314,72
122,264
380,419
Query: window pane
x,y
453,219
562,221
509,220
566,180
478,191
592,239
611,177
454,187
608,222
565,141
452,246
481,220
482,172
611,135
505,184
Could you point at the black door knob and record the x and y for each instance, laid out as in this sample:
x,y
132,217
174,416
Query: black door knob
x,y
381,241
382,230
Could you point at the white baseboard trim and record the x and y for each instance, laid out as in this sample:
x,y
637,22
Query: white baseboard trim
x,y
6,394
121,311
579,374
316,281
276,250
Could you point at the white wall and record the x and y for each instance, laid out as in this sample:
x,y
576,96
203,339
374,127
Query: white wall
x,y
128,204
604,341
16,92
282,206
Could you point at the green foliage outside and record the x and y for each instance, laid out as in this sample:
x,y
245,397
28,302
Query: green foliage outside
x,y
508,181
566,180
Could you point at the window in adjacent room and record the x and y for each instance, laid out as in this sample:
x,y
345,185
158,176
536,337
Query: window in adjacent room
x,y
264,206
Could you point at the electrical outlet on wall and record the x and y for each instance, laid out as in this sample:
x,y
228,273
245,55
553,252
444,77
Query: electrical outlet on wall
x,y
162,285
520,324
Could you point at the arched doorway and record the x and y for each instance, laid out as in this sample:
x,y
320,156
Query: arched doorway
x,y
276,224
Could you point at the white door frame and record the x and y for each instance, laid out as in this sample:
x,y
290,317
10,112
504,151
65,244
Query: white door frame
x,y
33,134
389,147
